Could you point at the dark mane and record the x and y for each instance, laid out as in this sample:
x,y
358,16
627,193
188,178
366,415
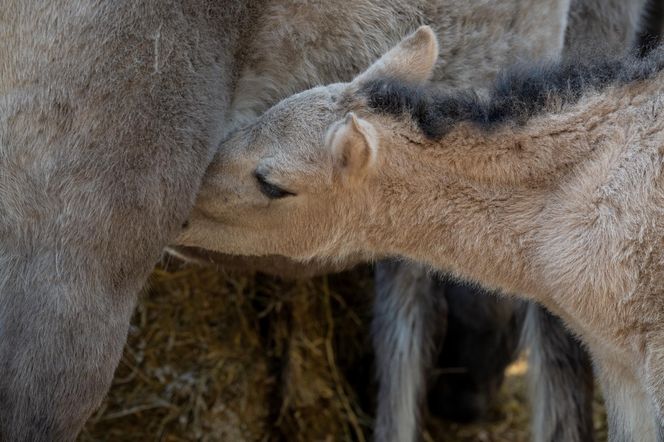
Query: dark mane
x,y
517,95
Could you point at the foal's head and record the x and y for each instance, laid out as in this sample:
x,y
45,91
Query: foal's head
x,y
299,181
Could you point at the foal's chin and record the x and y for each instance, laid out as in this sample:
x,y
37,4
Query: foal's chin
x,y
275,265
202,241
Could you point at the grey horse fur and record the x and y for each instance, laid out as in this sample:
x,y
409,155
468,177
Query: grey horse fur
x,y
109,115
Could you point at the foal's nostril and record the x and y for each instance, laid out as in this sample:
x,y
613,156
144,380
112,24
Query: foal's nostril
x,y
185,224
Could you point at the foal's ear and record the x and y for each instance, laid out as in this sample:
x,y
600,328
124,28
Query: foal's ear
x,y
353,143
412,60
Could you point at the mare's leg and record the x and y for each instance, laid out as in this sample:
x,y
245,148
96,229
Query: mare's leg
x,y
108,116
561,380
406,318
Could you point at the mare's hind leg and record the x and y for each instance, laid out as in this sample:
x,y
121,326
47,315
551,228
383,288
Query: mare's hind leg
x,y
406,318
409,315
561,380
103,142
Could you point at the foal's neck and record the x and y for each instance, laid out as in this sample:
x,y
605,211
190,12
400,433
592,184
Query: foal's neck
x,y
473,200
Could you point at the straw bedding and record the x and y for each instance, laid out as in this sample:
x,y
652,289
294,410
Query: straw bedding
x,y
213,356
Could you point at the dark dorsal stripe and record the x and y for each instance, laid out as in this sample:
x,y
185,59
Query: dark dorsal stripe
x,y
517,95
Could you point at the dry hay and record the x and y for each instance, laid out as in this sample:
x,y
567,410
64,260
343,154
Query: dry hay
x,y
218,357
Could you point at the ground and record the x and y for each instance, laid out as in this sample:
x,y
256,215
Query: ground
x,y
219,357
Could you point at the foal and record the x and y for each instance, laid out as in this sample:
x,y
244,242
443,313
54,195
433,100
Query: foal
x,y
550,188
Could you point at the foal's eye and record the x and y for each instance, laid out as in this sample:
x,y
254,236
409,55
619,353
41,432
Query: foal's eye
x,y
270,190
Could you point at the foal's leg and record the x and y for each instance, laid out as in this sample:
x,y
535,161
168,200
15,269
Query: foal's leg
x,y
655,382
406,318
561,378
629,409
107,119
